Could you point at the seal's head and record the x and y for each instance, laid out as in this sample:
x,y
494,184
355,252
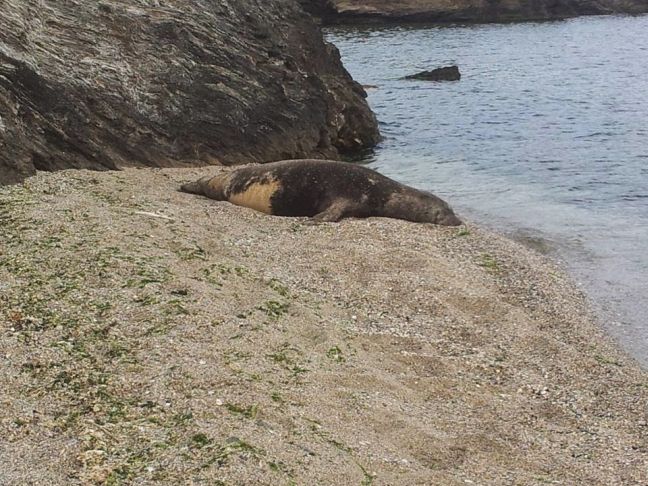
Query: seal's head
x,y
439,212
419,206
446,217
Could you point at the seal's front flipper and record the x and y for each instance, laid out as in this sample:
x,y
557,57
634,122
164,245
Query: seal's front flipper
x,y
335,212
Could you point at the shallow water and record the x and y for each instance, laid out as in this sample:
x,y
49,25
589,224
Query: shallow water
x,y
546,135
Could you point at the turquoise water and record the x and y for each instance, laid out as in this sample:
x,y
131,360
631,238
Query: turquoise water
x,y
546,135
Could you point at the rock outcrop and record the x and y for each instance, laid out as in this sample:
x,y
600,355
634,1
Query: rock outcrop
x,y
447,73
118,83
332,11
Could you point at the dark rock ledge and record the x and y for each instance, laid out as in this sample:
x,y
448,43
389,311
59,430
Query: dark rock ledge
x,y
108,84
457,11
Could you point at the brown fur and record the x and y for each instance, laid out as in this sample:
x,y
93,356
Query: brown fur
x,y
258,195
324,190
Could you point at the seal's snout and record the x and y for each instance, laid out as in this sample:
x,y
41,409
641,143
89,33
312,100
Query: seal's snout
x,y
450,220
442,214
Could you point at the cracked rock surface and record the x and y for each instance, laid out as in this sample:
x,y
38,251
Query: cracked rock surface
x,y
115,83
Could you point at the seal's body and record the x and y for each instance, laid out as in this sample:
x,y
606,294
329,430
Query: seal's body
x,y
325,190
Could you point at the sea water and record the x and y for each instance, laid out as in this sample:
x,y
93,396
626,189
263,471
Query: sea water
x,y
545,137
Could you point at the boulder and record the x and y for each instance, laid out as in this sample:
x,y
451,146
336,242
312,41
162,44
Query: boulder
x,y
108,84
447,73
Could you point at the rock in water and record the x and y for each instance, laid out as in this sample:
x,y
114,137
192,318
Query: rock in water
x,y
448,73
107,84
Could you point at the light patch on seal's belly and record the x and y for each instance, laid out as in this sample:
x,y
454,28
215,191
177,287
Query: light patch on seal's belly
x,y
257,196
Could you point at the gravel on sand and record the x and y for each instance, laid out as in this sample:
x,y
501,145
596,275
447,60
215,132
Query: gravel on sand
x,y
149,336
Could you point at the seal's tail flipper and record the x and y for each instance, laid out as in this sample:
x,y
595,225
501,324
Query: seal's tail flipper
x,y
192,187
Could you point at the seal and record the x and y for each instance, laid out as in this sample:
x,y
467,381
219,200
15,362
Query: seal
x,y
325,190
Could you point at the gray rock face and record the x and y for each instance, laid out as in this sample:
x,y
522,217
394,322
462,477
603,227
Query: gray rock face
x,y
333,11
115,83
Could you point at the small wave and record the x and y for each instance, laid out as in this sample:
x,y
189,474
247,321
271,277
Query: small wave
x,y
596,134
634,197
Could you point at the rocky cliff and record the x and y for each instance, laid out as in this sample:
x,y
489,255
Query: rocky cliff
x,y
162,83
466,10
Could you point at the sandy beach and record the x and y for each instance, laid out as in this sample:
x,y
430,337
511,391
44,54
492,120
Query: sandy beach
x,y
149,336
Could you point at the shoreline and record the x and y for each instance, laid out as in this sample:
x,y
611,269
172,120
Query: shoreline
x,y
598,232
572,258
389,22
154,335
331,13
